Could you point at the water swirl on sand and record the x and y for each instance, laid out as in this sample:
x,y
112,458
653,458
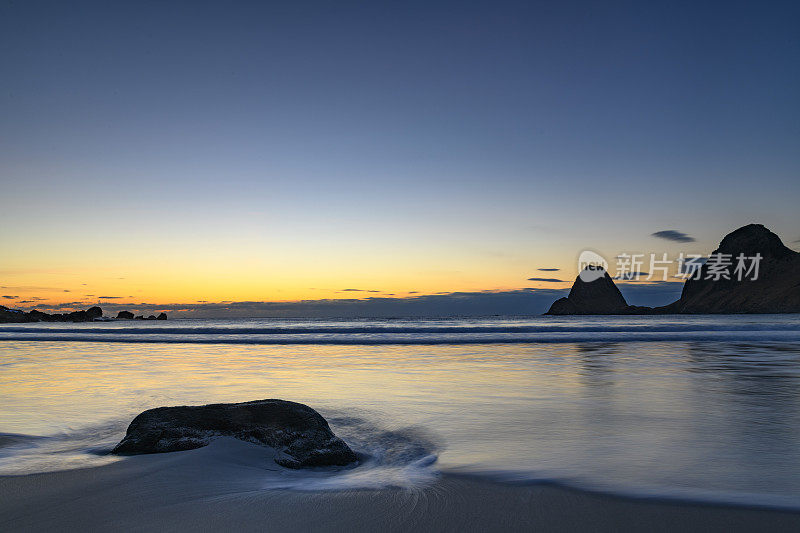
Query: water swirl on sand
x,y
86,447
401,458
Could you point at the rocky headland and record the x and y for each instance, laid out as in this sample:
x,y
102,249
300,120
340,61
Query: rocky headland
x,y
16,316
776,289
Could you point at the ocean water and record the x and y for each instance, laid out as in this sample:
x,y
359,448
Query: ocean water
x,y
701,407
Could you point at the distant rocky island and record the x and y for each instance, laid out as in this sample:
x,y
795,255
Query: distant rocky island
x,y
127,315
90,315
776,290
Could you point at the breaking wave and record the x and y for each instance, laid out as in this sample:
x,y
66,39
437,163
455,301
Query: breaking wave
x,y
406,332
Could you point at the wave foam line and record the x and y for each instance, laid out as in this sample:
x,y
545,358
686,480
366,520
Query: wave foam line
x,y
345,330
678,337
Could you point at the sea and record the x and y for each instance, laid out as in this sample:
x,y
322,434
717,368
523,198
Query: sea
x,y
695,407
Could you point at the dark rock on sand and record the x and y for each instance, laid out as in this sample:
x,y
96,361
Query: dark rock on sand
x,y
301,436
162,316
127,315
598,297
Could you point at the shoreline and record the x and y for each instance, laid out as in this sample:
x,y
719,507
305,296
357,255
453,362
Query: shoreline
x,y
566,338
226,485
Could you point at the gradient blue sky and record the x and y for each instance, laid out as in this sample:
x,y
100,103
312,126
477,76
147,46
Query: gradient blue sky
x,y
264,151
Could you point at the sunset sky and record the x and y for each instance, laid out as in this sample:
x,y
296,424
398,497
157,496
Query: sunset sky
x,y
248,152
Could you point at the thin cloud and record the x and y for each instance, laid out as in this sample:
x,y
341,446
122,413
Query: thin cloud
x,y
359,290
9,297
109,297
485,303
631,276
673,235
547,280
548,269
524,301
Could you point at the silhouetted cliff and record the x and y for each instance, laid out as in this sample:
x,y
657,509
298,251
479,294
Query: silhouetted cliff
x,y
775,289
598,297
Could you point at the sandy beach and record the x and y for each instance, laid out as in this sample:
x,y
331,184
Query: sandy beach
x,y
399,266
227,486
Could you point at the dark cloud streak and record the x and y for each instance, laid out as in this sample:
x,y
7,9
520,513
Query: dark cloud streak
x,y
673,235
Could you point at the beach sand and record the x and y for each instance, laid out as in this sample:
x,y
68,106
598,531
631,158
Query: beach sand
x,y
225,487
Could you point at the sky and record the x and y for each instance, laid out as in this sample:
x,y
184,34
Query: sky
x,y
191,153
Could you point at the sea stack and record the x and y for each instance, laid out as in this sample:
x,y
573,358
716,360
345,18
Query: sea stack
x,y
598,297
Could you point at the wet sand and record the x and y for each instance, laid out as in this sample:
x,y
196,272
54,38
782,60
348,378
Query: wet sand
x,y
223,487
